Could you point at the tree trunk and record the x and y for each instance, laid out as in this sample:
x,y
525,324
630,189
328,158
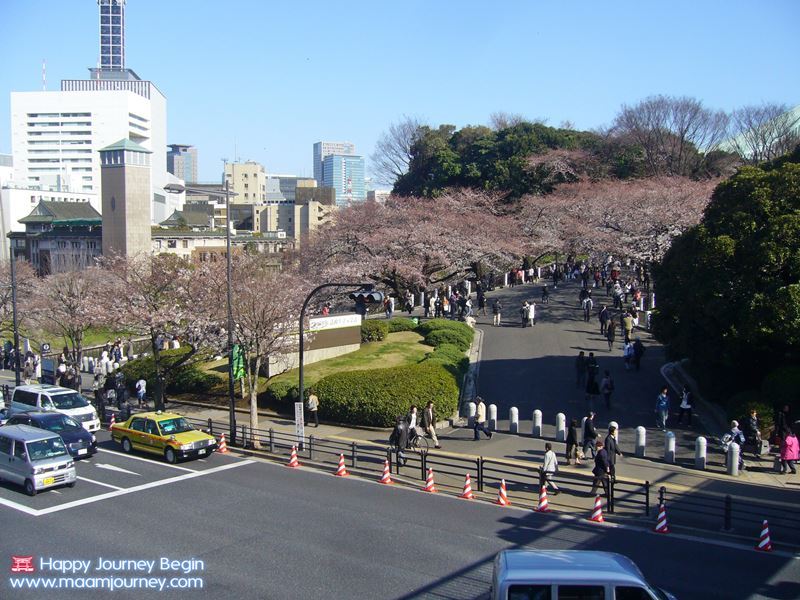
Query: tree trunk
x,y
254,403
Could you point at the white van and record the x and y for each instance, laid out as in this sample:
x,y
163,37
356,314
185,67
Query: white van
x,y
40,396
34,458
573,574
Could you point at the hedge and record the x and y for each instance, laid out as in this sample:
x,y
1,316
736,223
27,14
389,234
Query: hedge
x,y
186,378
459,339
374,330
377,397
435,324
450,355
401,324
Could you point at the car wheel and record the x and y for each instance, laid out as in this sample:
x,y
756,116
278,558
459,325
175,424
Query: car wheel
x,y
71,484
126,445
30,489
170,455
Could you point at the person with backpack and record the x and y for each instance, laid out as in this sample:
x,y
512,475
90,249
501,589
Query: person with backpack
x,y
736,436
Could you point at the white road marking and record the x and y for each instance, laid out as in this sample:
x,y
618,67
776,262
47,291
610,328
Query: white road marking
x,y
108,485
121,492
147,460
56,492
115,468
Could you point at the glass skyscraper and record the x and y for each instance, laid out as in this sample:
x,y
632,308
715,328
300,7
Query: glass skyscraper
x,y
323,149
345,174
112,35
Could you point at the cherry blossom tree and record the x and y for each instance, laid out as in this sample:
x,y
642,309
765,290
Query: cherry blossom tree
x,y
265,305
25,278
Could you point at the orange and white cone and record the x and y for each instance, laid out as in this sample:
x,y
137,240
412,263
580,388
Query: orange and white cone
x,y
341,471
467,493
223,446
386,477
661,521
502,495
597,513
429,486
112,422
764,543
293,462
543,507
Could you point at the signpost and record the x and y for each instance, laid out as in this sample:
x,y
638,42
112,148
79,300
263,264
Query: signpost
x,y
299,424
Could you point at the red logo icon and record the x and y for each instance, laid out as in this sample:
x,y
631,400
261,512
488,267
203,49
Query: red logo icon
x,y
22,564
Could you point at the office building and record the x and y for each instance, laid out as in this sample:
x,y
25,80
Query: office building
x,y
126,198
248,180
182,162
324,149
6,169
56,135
345,174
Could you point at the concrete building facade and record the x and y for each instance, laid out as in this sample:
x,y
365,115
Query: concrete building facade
x,y
126,198
182,162
248,180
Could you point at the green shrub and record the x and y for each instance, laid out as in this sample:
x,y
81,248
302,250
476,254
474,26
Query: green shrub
x,y
282,391
378,396
739,406
374,330
459,339
780,388
401,324
186,378
435,324
450,356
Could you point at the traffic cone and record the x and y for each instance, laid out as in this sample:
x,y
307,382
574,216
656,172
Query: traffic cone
x,y
467,493
502,496
597,513
764,543
223,446
293,462
661,522
112,422
543,506
341,471
386,477
429,487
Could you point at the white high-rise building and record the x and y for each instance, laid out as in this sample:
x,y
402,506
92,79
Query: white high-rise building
x,y
56,136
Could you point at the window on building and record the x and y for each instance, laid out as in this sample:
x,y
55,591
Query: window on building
x,y
184,243
172,243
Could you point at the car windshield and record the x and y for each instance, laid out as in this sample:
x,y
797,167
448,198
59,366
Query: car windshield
x,y
173,426
58,423
68,401
44,449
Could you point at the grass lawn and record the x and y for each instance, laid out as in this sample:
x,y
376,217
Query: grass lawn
x,y
94,336
402,348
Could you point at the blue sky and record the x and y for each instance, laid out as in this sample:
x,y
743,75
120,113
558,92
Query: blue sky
x,y
264,80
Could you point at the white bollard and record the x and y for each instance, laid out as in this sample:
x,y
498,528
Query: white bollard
x,y
641,442
700,453
733,459
537,423
561,427
472,410
513,420
492,417
505,280
669,448
583,430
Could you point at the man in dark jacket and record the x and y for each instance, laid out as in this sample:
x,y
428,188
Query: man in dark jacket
x,y
638,352
429,422
589,435
612,448
603,316
602,469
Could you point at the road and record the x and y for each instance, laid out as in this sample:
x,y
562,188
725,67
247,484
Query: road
x,y
265,531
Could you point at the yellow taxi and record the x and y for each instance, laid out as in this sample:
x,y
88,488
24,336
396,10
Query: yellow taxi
x,y
163,433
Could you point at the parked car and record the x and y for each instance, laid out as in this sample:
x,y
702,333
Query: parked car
x,y
34,458
569,574
79,442
167,434
44,397
3,416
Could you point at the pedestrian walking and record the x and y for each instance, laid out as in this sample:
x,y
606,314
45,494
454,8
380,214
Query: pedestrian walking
x,y
141,391
312,405
638,352
790,452
602,469
524,311
481,302
589,435
606,388
753,433
532,314
572,443
662,409
545,295
685,407
480,420
612,448
550,468
27,372
99,403
429,422
580,370
627,355
603,317
588,304
611,335
497,308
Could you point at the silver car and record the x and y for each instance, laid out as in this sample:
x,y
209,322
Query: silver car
x,y
34,458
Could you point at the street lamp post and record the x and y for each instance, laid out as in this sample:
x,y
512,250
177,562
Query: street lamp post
x,y
361,286
177,189
15,325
